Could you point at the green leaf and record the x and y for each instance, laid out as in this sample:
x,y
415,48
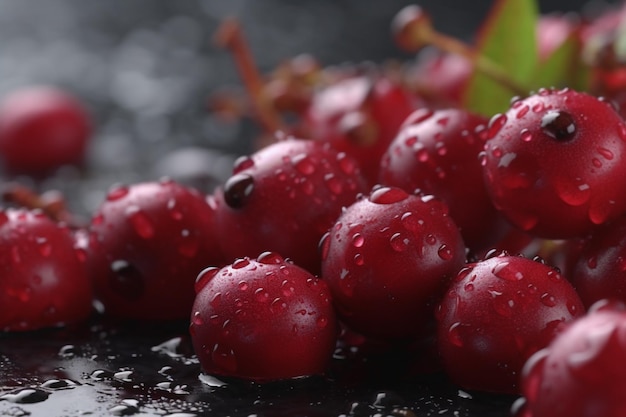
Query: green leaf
x,y
508,39
563,68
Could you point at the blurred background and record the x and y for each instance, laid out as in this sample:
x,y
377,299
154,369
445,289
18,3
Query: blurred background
x,y
145,68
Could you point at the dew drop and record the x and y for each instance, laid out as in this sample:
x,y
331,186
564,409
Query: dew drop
x,y
224,358
204,277
606,153
278,306
322,322
422,154
333,183
347,164
574,192
445,252
261,295
358,259
324,246
505,271
44,246
454,335
216,300
599,212
358,240
175,212
559,125
238,189
303,164
197,319
388,195
189,244
243,162
117,192
548,300
240,263
140,222
398,242
526,135
411,222
270,258
496,123
538,107
523,110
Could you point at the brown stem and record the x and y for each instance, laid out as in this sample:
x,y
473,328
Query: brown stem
x,y
51,203
229,35
413,30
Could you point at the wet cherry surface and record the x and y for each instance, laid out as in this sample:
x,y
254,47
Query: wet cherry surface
x,y
102,369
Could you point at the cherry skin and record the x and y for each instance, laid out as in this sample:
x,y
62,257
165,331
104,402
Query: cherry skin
x,y
147,244
387,261
582,373
437,153
599,271
262,319
42,129
555,165
44,278
496,314
283,198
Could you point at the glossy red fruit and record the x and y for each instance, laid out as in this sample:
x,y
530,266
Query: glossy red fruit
x,y
496,314
148,242
600,269
41,129
44,281
262,319
555,163
437,153
440,78
582,373
359,115
283,198
387,261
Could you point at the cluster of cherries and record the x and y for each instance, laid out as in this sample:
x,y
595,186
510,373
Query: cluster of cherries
x,y
399,219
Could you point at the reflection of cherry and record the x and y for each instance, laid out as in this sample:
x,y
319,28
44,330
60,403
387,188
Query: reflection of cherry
x,y
42,129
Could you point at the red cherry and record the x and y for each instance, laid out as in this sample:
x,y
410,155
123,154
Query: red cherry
x,y
283,198
44,280
148,242
582,373
437,153
440,77
387,261
555,163
600,270
360,116
262,319
42,129
496,314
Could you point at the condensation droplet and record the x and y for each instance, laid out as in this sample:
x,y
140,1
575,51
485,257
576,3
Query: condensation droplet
x,y
117,192
548,300
454,335
140,222
445,252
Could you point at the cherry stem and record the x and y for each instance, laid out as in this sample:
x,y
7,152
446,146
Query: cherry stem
x,y
413,30
482,63
51,203
229,35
